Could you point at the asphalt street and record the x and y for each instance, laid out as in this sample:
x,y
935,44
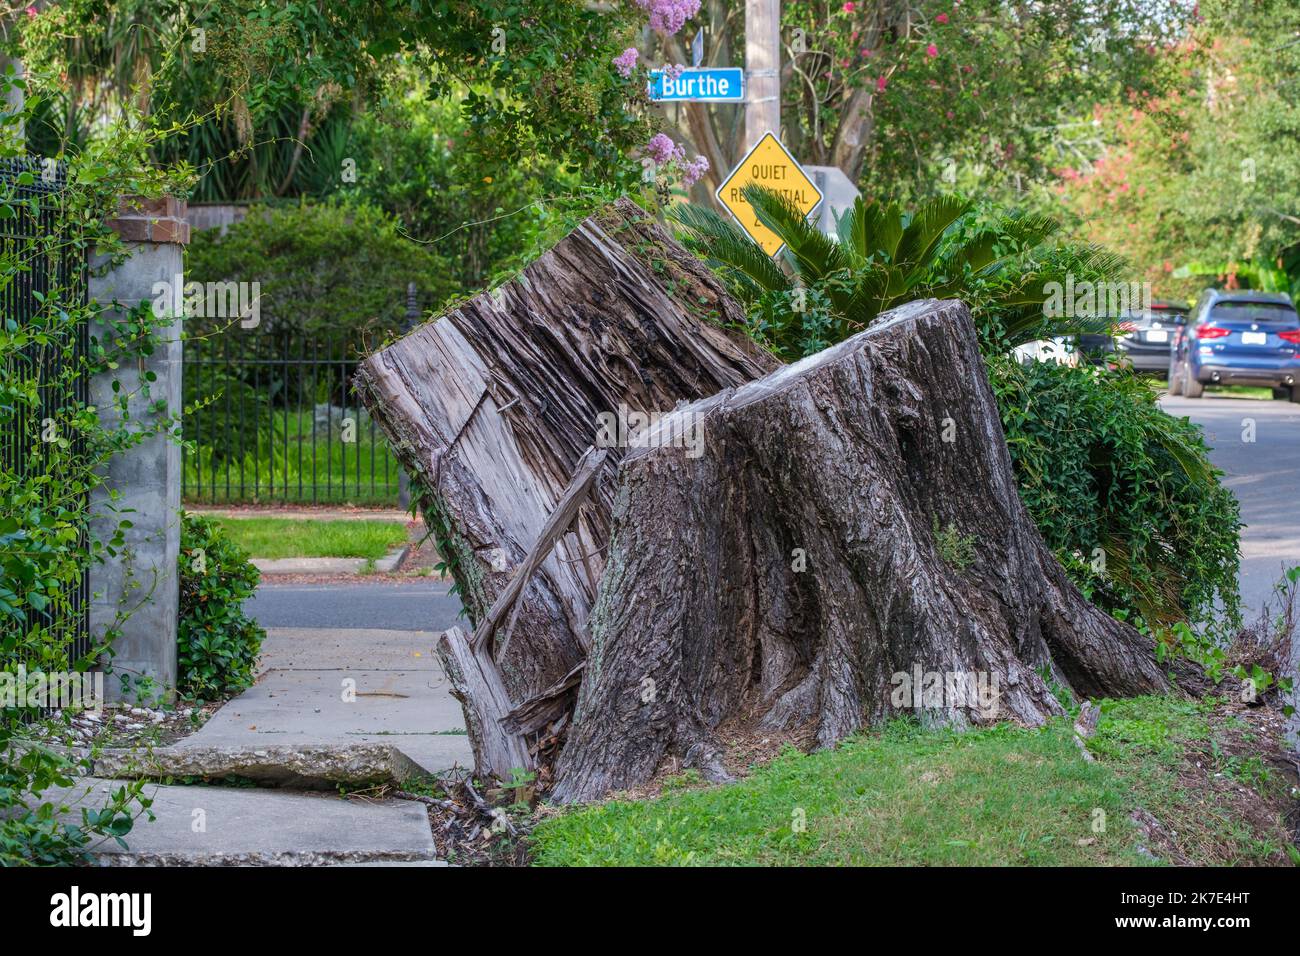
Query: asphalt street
x,y
1257,444
422,606
1264,473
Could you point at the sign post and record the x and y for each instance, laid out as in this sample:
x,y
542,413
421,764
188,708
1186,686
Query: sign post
x,y
768,164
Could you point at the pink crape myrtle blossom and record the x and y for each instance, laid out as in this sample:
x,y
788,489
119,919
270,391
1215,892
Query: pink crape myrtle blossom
x,y
663,150
941,18
625,62
692,171
673,71
669,16
931,51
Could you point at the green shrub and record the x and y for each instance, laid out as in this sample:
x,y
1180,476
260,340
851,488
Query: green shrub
x,y
1123,492
217,643
335,270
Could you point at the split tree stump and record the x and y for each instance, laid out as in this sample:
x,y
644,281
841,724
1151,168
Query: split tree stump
x,y
490,407
853,517
848,519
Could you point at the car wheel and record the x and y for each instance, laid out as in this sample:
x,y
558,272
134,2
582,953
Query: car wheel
x,y
1191,387
1175,379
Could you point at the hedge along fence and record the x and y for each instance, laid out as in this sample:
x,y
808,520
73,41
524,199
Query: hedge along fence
x,y
44,383
269,412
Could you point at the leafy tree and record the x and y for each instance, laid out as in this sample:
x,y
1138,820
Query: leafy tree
x,y
1206,174
266,84
414,159
922,98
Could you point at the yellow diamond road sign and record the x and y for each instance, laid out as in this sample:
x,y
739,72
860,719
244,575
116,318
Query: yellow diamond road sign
x,y
768,164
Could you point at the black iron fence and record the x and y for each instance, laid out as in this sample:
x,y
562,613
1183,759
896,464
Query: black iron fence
x,y
270,418
42,278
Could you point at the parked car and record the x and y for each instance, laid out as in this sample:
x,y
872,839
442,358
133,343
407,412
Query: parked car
x,y
1059,350
1238,338
1147,337
1143,337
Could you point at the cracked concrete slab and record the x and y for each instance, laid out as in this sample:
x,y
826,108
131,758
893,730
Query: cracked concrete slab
x,y
324,767
227,826
393,693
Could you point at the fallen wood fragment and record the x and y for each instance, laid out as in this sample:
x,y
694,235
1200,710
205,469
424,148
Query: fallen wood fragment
x,y
476,683
491,406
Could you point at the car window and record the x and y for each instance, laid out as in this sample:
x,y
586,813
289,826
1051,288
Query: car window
x,y
1254,312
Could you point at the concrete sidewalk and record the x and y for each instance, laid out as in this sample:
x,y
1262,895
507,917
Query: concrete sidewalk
x,y
385,565
346,687
320,696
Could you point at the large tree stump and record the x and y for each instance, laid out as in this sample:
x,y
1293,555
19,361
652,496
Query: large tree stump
x,y
853,517
491,406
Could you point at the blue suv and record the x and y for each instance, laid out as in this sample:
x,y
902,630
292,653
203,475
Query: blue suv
x,y
1238,338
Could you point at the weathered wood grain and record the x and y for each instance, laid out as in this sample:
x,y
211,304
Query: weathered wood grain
x,y
490,407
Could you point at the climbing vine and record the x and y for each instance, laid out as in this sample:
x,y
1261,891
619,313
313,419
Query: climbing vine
x,y
55,446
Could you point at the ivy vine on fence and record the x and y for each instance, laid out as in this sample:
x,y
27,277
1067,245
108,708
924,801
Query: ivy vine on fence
x,y
53,211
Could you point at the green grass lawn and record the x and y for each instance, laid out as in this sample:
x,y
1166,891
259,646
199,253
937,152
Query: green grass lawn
x,y
1243,391
907,796
309,538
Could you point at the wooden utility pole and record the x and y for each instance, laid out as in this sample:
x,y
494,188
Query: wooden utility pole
x,y
762,69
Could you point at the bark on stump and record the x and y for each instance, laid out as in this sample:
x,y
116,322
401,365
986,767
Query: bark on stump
x,y
852,517
491,406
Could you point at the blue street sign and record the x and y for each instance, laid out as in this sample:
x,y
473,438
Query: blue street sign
x,y
709,84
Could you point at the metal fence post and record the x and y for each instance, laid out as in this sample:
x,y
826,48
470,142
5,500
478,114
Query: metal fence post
x,y
412,317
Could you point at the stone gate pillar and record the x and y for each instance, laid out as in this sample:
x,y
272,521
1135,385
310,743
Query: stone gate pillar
x,y
142,579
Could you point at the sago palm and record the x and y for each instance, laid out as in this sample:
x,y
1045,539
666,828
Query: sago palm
x,y
884,256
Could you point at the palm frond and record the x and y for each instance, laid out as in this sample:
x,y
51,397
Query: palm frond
x,y
927,227
1029,230
870,230
726,247
815,254
870,294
